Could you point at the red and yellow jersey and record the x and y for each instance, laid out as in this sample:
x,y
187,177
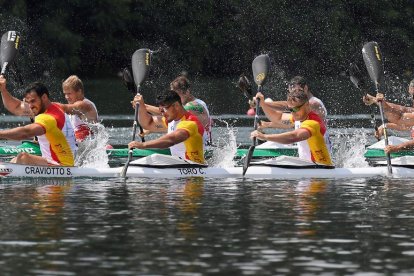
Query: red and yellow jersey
x,y
58,144
192,148
314,148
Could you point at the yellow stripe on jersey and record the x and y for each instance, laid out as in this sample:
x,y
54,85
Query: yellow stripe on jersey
x,y
317,146
194,150
60,149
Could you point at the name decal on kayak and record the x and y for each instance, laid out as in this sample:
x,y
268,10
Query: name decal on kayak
x,y
191,171
19,150
47,171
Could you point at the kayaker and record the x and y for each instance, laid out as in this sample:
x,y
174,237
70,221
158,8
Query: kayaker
x,y
315,104
184,131
198,107
309,135
399,118
51,125
80,109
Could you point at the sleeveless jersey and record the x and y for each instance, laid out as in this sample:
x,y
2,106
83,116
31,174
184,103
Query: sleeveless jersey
x,y
326,135
314,148
58,145
207,127
192,148
79,125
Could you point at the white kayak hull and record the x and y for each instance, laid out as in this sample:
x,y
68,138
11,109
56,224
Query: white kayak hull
x,y
14,170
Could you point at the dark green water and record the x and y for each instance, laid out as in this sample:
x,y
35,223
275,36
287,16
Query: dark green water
x,y
206,227
211,226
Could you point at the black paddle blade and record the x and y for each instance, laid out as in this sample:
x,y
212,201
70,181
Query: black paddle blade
x,y
373,61
141,61
355,76
261,67
127,79
245,86
9,45
248,158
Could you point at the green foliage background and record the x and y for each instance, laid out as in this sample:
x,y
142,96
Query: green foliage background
x,y
212,38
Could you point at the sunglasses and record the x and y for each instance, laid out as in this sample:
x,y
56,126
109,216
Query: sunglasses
x,y
164,109
297,108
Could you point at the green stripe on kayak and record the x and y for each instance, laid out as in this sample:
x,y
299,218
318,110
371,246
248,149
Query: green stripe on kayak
x,y
379,153
33,148
135,152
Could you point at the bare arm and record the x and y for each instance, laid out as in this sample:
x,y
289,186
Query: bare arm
x,y
290,137
147,121
271,113
153,109
168,140
404,121
77,108
409,145
399,127
397,108
24,132
12,104
281,124
395,113
278,105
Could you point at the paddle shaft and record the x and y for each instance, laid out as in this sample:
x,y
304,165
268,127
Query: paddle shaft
x,y
256,116
254,140
134,131
388,155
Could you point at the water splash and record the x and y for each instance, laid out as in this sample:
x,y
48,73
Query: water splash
x,y
223,154
92,151
349,153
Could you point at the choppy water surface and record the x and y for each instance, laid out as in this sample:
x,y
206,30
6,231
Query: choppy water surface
x,y
194,226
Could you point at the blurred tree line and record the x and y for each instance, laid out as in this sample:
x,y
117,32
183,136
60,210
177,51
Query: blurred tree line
x,y
209,37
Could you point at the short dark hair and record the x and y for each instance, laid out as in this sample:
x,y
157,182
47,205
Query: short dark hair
x,y
37,87
298,80
168,97
180,83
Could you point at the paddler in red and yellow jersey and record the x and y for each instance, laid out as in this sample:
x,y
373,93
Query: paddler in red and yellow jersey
x,y
184,131
309,135
81,110
51,125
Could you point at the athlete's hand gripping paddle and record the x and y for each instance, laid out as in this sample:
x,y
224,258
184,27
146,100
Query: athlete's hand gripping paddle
x,y
373,61
141,61
261,68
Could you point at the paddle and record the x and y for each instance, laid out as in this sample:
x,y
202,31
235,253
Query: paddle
x,y
260,67
9,45
130,85
245,86
141,61
373,61
356,78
